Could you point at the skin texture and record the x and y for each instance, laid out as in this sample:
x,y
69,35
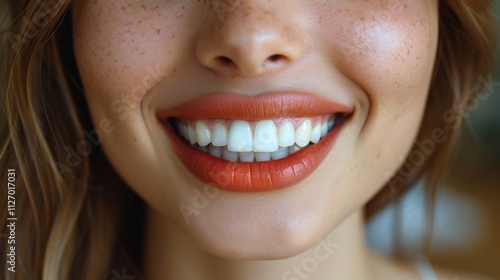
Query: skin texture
x,y
138,57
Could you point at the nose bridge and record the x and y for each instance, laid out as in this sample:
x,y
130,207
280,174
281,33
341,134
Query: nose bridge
x,y
248,37
250,12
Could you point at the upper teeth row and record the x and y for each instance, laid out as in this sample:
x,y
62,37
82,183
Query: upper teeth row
x,y
261,136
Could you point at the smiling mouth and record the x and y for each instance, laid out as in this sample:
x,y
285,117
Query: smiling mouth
x,y
254,143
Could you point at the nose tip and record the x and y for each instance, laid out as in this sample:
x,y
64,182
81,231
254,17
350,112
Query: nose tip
x,y
248,47
249,59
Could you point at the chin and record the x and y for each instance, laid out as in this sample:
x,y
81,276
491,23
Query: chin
x,y
261,226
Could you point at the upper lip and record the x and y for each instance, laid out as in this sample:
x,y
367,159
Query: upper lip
x,y
265,106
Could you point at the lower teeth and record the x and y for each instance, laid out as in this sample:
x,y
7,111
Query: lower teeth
x,y
225,153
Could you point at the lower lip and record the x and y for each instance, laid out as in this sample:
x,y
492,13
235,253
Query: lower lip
x,y
255,176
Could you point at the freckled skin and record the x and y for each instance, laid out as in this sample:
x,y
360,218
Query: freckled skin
x,y
138,57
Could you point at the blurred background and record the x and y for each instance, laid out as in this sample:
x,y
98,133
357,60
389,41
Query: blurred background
x,y
466,232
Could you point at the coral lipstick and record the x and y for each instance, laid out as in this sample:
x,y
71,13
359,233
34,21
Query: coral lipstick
x,y
265,106
253,176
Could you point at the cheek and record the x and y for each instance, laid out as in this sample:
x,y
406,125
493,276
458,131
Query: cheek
x,y
385,47
389,55
122,51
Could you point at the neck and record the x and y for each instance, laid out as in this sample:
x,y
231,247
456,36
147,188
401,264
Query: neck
x,y
169,254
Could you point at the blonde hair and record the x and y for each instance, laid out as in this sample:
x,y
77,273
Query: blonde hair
x,y
67,219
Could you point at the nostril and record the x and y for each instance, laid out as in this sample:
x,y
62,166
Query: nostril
x,y
249,66
224,60
276,58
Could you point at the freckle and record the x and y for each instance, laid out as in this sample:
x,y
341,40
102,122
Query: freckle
x,y
158,31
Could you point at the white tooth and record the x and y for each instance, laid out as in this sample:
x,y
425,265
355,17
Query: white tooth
x,y
184,132
228,155
259,157
247,156
240,137
215,151
303,134
279,154
287,134
331,123
265,137
181,127
219,135
202,133
203,149
192,135
293,149
316,134
324,129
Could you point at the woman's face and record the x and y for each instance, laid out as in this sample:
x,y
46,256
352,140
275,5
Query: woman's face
x,y
249,82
